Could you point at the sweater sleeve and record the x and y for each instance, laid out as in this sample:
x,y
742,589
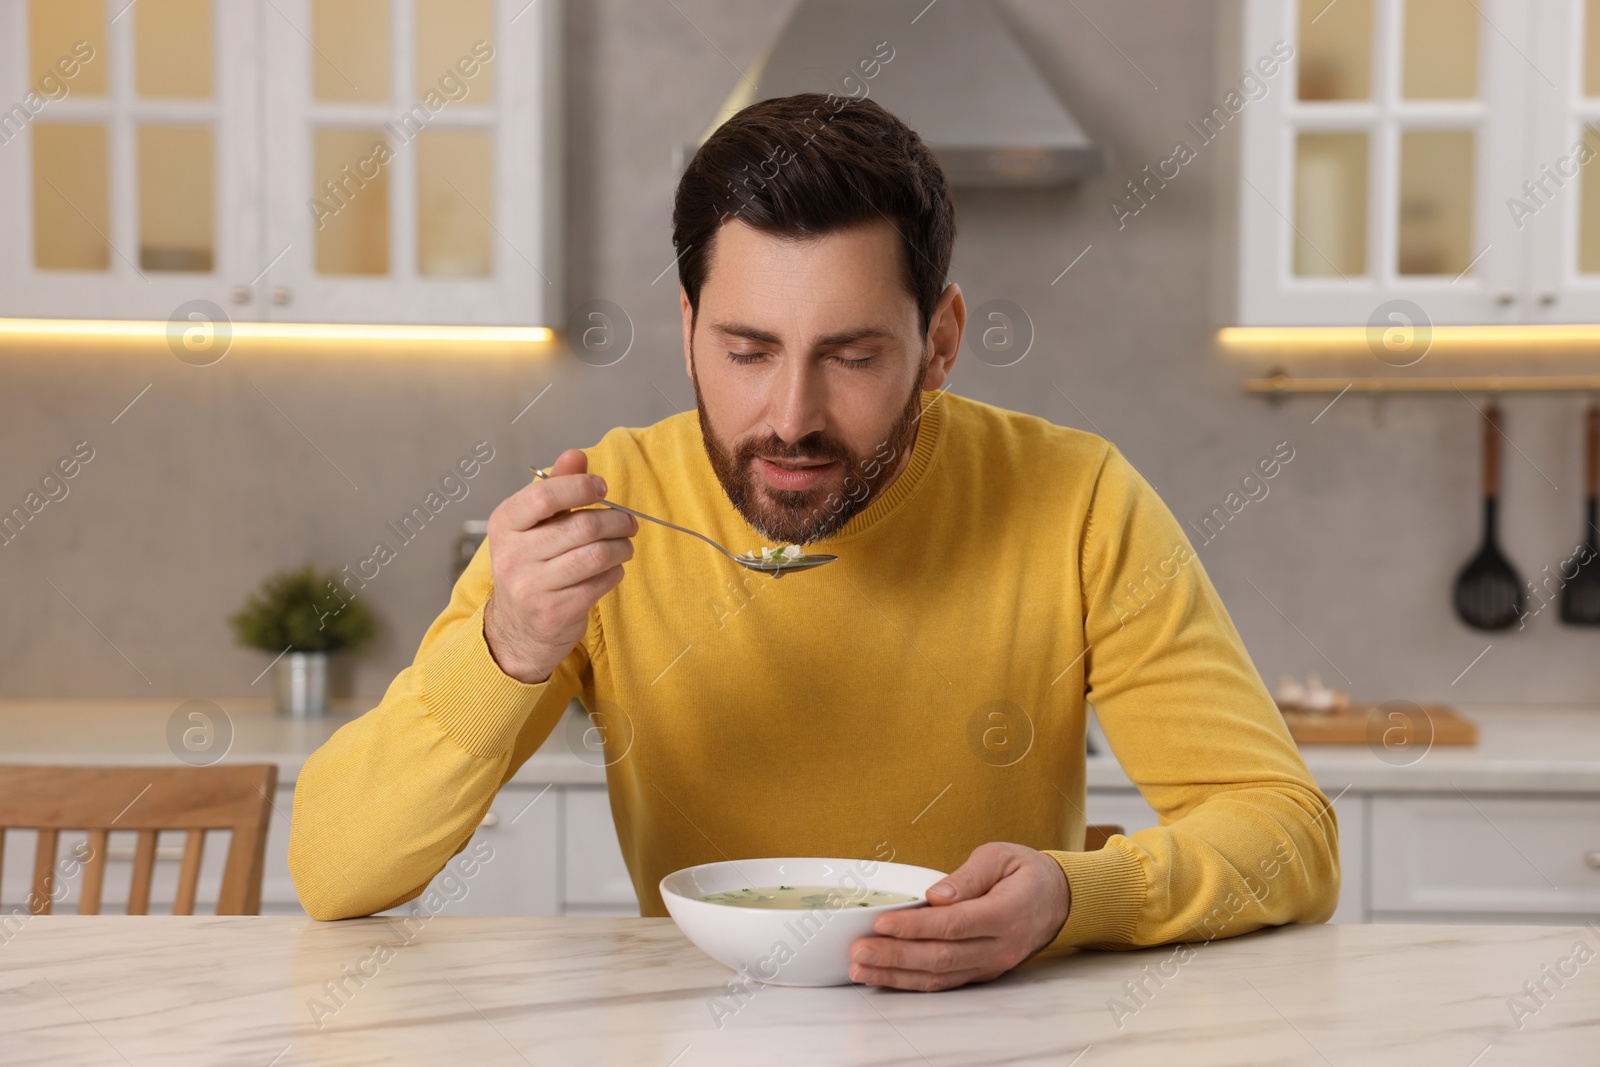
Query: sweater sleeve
x,y
1246,839
383,805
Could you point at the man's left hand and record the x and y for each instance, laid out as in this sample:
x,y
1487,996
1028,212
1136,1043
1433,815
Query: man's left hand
x,y
994,911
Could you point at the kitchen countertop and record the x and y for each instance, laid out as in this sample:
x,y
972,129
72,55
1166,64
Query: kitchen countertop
x,y
1521,748
206,990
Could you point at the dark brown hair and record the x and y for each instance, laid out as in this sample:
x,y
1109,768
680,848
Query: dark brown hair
x,y
811,164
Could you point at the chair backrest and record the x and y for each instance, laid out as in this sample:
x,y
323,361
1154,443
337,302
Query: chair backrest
x,y
1096,836
49,799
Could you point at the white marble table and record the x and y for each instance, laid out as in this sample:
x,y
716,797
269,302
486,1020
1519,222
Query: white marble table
x,y
173,991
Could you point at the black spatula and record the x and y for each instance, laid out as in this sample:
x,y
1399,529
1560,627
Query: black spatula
x,y
1580,597
1489,590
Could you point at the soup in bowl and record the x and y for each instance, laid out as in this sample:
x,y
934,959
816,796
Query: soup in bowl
x,y
789,921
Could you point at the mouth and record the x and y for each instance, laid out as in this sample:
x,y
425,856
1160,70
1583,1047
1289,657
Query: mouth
x,y
793,475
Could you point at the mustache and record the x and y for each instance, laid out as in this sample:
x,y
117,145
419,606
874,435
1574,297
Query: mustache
x,y
812,448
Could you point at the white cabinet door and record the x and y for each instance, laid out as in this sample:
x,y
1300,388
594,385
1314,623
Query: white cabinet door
x,y
129,158
1556,198
512,860
414,165
1490,859
596,881
1374,165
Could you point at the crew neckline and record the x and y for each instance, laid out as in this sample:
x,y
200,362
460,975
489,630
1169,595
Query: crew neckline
x,y
930,434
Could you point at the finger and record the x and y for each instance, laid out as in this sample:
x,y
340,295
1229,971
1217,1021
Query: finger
x,y
567,531
917,981
592,589
584,562
937,956
987,916
572,461
539,500
984,867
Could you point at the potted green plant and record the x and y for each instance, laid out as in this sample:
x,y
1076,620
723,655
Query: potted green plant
x,y
300,617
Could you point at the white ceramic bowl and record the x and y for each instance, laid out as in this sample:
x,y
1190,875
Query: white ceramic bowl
x,y
787,946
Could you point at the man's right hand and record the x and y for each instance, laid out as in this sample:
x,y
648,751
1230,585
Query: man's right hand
x,y
550,564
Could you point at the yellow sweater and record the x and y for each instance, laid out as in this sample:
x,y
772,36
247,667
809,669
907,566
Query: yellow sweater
x,y
921,696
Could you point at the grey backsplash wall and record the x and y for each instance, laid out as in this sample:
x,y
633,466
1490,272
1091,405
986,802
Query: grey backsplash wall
x,y
202,486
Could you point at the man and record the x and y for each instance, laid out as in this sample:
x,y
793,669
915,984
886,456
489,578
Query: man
x,y
923,698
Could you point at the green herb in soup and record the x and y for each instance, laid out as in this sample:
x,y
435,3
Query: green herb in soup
x,y
803,897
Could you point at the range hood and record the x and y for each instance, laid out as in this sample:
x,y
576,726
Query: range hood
x,y
949,69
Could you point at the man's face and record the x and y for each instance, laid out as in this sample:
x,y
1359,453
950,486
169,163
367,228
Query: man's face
x,y
808,363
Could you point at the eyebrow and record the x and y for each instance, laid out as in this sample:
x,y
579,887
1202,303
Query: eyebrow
x,y
832,340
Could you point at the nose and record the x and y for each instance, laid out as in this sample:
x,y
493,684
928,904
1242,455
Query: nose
x,y
798,404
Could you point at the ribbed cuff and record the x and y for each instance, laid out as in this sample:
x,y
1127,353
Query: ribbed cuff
x,y
480,706
1108,889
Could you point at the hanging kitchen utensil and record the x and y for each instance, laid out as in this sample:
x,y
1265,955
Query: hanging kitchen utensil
x,y
1488,590
1580,597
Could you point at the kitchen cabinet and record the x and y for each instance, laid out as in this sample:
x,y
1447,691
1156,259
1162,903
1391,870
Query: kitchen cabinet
x,y
595,877
1526,858
1405,162
314,161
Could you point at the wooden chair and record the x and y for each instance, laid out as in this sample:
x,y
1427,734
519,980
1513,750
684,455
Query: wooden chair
x,y
49,799
1095,837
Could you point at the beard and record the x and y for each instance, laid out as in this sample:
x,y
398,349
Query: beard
x,y
804,516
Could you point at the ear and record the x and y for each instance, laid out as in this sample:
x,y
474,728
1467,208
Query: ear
x,y
688,331
944,336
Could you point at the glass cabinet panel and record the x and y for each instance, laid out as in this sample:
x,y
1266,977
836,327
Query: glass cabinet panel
x,y
453,36
455,202
71,196
172,46
1589,209
350,50
1440,60
54,30
1591,48
1330,209
351,185
1335,49
176,212
1436,193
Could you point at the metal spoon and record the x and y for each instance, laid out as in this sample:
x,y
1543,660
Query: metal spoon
x,y
743,559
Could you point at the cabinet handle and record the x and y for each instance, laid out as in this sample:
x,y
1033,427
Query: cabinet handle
x,y
241,294
1592,859
282,295
492,820
1546,299
1505,299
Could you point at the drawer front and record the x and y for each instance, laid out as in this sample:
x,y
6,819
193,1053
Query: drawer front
x,y
596,876
1486,855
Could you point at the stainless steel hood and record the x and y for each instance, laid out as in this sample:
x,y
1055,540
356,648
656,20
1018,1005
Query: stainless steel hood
x,y
950,70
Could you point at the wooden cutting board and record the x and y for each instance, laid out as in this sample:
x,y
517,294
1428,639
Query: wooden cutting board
x,y
1394,724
